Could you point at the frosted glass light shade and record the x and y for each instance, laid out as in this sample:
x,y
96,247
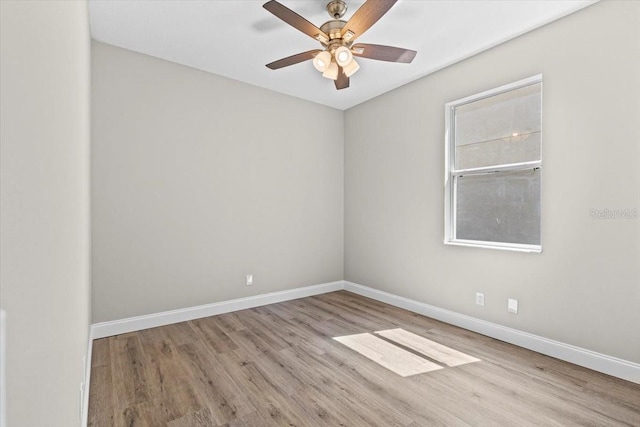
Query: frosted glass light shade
x,y
332,71
322,61
343,56
351,68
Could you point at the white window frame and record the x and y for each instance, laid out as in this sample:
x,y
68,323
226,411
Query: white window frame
x,y
451,172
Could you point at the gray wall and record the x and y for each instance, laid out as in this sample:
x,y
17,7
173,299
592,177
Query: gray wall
x,y
44,207
584,289
198,180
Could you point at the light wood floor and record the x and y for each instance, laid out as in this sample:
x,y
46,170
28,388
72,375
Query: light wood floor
x,y
279,365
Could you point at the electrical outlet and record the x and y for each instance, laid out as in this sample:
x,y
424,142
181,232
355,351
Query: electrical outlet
x,y
249,281
479,298
512,306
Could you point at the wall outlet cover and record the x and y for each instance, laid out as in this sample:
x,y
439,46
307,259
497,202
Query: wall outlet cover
x,y
249,281
512,306
479,298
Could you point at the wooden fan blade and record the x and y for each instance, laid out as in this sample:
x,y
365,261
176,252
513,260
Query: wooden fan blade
x,y
383,53
368,14
293,19
293,59
343,81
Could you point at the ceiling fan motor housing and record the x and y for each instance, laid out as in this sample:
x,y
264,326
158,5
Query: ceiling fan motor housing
x,y
336,8
334,30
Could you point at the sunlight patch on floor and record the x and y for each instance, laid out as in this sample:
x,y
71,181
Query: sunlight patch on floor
x,y
402,362
399,360
431,349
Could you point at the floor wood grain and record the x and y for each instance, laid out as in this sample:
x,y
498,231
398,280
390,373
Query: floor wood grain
x,y
279,365
388,355
431,349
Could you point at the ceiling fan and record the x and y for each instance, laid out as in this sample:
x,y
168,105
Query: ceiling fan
x,y
336,60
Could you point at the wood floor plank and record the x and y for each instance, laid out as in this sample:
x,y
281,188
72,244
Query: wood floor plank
x,y
156,335
100,353
290,332
165,374
129,377
250,345
307,307
181,333
355,315
257,419
255,323
388,355
343,392
142,414
217,390
135,415
279,365
215,338
100,397
431,349
227,322
383,388
201,418
264,392
391,314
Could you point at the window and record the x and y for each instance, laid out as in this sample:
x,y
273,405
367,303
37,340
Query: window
x,y
493,168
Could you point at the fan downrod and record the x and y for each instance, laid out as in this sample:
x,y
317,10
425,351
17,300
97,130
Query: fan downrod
x,y
336,8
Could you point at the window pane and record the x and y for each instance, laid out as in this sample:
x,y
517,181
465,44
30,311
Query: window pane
x,y
499,207
500,129
522,148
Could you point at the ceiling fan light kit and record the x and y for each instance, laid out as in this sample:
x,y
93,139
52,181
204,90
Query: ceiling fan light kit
x,y
322,61
343,56
336,60
332,71
351,68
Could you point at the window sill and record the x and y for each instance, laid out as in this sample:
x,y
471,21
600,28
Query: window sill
x,y
514,247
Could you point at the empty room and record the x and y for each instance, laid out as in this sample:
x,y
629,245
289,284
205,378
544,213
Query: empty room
x,y
319,213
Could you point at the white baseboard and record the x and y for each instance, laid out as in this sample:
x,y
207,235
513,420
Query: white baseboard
x,y
624,369
579,356
131,324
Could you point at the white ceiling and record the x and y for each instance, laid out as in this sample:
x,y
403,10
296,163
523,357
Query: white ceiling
x,y
236,39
